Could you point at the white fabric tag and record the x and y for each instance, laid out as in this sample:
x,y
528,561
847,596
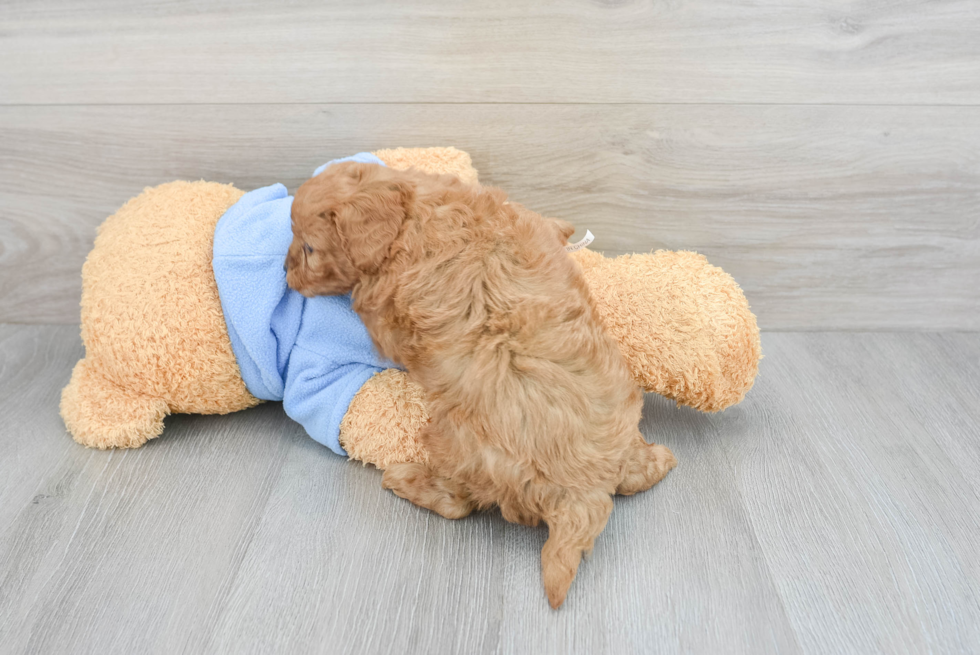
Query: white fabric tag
x,y
586,240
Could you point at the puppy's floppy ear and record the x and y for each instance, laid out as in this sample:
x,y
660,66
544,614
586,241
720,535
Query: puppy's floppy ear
x,y
372,220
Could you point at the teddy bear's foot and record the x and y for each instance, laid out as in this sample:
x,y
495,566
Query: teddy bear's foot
x,y
100,414
421,485
647,465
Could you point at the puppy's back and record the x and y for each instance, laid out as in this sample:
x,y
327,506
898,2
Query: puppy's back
x,y
515,355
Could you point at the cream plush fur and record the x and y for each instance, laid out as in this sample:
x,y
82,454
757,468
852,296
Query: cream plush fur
x,y
156,342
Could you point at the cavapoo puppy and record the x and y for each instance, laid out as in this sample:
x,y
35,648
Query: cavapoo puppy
x,y
531,403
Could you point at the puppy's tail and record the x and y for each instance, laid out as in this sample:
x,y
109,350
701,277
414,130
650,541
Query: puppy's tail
x,y
573,525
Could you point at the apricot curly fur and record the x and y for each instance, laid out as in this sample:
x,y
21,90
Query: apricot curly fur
x,y
531,404
136,360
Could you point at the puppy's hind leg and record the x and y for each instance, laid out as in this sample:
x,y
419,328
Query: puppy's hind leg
x,y
573,526
421,485
645,466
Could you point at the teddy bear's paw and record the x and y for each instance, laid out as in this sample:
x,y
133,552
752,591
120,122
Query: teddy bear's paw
x,y
100,414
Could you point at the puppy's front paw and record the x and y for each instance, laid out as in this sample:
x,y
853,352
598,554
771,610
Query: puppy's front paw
x,y
419,484
402,476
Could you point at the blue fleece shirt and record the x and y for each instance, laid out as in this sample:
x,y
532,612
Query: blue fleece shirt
x,y
314,354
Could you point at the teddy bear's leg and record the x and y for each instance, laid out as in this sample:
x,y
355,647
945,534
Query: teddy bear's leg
x,y
424,487
683,325
646,466
100,414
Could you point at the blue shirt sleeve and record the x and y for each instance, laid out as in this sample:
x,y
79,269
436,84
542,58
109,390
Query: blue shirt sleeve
x,y
313,354
331,360
318,398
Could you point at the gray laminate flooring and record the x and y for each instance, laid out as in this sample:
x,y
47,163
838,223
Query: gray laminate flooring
x,y
825,153
834,511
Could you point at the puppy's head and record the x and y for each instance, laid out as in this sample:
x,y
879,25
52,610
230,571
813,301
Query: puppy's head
x,y
344,221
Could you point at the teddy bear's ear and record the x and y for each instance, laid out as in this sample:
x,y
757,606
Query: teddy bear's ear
x,y
372,219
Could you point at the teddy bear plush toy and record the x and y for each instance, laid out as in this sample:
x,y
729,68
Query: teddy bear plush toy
x,y
185,309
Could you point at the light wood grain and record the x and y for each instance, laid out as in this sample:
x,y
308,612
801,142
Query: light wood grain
x,y
708,51
871,513
829,217
121,535
824,153
832,511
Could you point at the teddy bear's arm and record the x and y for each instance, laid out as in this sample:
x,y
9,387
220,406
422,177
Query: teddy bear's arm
x,y
384,421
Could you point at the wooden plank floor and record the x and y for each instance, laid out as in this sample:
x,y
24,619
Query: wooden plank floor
x,y
824,153
702,51
835,510
829,217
